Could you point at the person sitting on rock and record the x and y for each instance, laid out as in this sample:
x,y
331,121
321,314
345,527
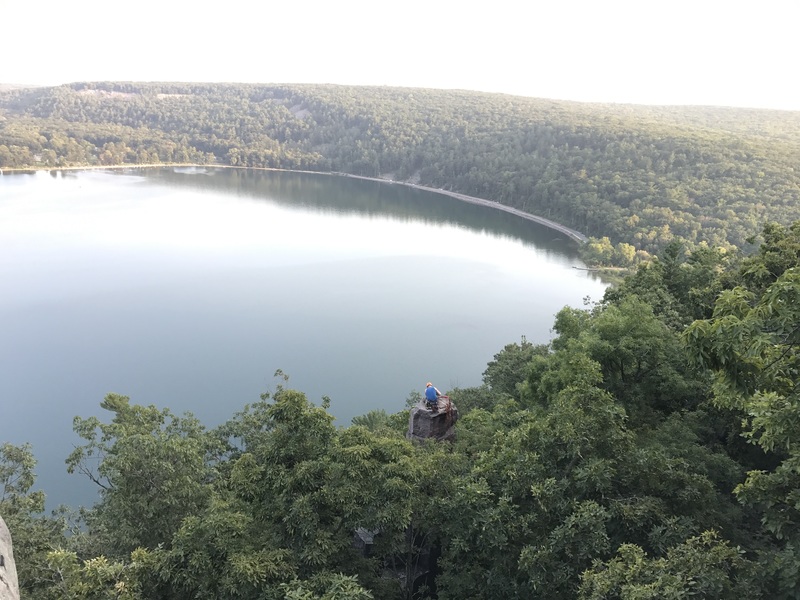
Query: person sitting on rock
x,y
432,397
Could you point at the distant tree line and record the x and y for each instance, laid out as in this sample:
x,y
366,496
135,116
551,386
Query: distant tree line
x,y
637,176
650,450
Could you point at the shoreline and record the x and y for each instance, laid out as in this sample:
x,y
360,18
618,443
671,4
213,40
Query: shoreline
x,y
572,234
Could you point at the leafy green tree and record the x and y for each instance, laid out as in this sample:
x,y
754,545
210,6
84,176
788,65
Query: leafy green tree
x,y
624,348
598,251
92,579
373,420
17,477
778,252
222,552
152,469
624,254
680,288
284,513
702,567
526,504
33,534
752,345
509,366
330,587
480,397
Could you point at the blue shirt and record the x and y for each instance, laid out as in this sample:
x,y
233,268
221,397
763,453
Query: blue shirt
x,y
430,393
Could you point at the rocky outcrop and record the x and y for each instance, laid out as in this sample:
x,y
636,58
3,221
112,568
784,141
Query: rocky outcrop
x,y
423,424
9,586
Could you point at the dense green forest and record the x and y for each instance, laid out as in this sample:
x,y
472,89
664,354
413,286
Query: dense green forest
x,y
634,178
650,451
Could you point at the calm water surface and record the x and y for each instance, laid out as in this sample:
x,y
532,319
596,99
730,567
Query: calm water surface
x,y
187,289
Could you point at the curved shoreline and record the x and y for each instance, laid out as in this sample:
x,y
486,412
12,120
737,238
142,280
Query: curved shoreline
x,y
572,234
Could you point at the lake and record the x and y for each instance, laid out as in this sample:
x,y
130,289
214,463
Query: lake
x,y
189,288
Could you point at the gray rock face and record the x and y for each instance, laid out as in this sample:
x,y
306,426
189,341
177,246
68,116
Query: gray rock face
x,y
9,586
424,424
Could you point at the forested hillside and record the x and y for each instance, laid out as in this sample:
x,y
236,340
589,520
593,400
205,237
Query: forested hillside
x,y
639,176
650,451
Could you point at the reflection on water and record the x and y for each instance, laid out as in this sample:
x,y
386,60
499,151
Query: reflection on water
x,y
372,198
189,289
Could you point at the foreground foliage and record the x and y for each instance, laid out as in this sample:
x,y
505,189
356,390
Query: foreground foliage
x,y
632,457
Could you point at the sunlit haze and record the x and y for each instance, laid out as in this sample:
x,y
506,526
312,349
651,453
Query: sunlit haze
x,y
682,52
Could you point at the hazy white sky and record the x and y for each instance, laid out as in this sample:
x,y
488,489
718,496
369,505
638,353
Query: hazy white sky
x,y
730,53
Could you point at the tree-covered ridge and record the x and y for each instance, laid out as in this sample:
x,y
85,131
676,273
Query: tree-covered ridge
x,y
648,451
641,176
